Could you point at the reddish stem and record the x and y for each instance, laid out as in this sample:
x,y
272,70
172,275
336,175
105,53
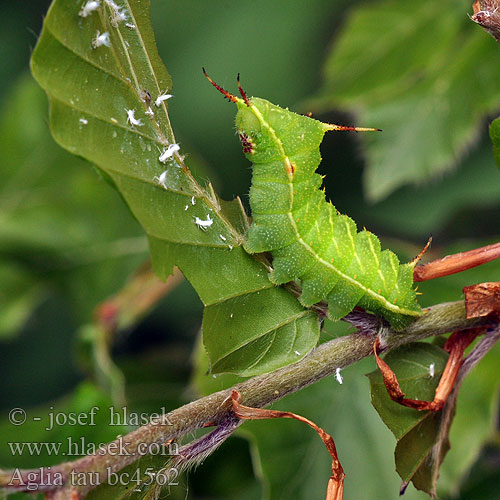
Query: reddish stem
x,y
456,263
455,345
335,489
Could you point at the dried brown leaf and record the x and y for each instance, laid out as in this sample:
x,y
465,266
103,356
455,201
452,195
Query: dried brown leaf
x,y
482,299
487,15
455,345
335,490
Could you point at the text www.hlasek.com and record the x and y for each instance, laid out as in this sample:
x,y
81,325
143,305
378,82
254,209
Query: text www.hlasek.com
x,y
80,447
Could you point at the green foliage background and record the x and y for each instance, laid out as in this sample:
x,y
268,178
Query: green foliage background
x,y
67,241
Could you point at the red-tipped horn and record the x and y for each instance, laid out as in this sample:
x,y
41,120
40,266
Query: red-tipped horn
x,y
243,93
231,97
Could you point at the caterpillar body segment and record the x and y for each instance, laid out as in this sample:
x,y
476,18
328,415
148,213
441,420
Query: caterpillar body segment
x,y
310,241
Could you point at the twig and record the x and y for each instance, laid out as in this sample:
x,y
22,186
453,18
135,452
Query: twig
x,y
456,263
258,392
119,312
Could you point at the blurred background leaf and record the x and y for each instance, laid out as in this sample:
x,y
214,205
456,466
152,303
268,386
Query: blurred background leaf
x,y
495,138
426,80
280,52
58,219
66,242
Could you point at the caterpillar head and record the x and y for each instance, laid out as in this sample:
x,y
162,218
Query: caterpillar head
x,y
248,124
270,133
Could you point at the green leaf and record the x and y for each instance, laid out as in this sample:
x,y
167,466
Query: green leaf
x,y
257,345
241,333
412,74
422,436
91,90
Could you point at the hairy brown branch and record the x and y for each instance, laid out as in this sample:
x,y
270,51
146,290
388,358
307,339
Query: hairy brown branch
x,y
258,392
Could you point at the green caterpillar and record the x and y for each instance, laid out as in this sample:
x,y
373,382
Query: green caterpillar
x,y
309,240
